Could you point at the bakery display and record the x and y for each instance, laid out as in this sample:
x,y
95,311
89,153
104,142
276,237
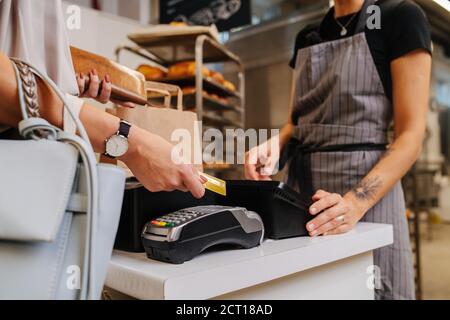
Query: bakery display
x,y
217,95
186,69
151,73
183,74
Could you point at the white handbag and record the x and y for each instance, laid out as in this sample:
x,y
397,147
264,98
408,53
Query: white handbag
x,y
59,209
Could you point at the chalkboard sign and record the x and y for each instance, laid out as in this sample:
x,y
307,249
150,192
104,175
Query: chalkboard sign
x,y
226,14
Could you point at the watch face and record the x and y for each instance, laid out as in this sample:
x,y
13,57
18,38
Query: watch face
x,y
117,146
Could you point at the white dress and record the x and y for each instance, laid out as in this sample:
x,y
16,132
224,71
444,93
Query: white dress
x,y
35,31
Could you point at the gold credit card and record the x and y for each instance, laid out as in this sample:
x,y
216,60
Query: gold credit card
x,y
214,184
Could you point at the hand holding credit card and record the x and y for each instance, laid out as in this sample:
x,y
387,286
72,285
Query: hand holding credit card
x,y
214,184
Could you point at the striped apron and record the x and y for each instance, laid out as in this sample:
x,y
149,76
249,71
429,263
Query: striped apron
x,y
342,116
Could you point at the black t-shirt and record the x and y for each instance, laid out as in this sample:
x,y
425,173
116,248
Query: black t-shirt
x,y
404,28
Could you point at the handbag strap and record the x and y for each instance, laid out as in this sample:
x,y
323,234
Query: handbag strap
x,y
29,87
37,128
32,127
22,65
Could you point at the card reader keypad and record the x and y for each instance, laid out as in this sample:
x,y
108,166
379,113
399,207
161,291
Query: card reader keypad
x,y
177,218
180,236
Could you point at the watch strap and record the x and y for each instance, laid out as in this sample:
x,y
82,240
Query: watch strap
x,y
124,131
124,128
109,156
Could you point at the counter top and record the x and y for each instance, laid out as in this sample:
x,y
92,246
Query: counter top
x,y
217,273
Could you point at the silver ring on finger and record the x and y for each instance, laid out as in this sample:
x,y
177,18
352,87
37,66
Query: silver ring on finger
x,y
340,219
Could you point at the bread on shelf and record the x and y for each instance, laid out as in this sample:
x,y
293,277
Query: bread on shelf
x,y
186,69
217,77
220,79
151,73
229,85
188,90
223,100
213,96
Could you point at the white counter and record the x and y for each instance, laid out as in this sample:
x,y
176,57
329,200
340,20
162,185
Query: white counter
x,y
319,268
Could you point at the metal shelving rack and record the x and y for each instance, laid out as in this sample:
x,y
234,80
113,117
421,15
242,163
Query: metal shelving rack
x,y
170,49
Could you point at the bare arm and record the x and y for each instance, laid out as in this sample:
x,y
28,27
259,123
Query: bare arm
x,y
149,157
411,81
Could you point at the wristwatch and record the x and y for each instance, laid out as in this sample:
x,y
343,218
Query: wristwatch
x,y
117,145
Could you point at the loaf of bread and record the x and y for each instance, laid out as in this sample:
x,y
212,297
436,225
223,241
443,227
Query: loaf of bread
x,y
217,77
151,73
188,90
213,96
127,85
229,85
186,69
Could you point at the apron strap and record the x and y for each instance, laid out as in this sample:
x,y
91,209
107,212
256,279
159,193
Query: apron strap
x,y
298,157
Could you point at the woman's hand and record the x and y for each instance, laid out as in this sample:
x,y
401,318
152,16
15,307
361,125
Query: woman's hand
x,y
334,214
150,160
260,161
98,90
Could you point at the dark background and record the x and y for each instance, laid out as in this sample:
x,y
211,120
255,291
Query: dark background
x,y
173,10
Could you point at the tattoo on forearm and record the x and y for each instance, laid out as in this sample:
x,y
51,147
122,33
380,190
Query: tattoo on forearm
x,y
368,188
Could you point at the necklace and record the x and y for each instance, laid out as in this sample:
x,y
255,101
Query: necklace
x,y
344,30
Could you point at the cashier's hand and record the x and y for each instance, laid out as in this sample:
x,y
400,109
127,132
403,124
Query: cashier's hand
x,y
261,162
334,214
102,95
150,160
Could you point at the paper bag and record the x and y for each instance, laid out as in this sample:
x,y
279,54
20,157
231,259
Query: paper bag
x,y
165,121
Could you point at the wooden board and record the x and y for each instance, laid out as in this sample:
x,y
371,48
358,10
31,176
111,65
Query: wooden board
x,y
128,84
